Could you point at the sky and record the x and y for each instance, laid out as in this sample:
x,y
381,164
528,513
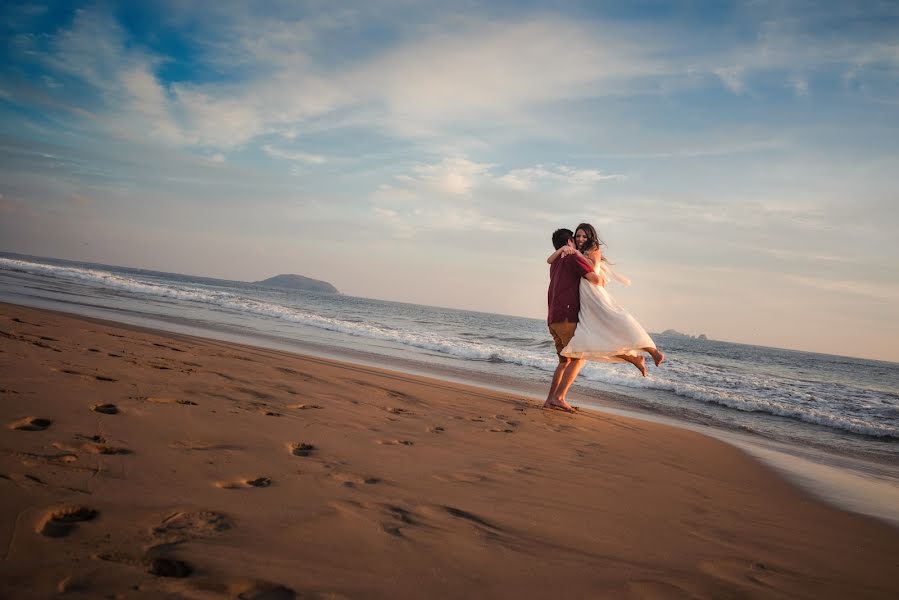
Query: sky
x,y
740,160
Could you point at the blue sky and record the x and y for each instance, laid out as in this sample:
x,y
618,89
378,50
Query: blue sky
x,y
739,159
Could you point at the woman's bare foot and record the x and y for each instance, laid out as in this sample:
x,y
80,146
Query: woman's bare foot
x,y
637,361
657,357
559,405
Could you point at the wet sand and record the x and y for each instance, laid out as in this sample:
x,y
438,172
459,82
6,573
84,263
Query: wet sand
x,y
142,464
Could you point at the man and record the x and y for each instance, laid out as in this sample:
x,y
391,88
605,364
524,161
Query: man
x,y
564,299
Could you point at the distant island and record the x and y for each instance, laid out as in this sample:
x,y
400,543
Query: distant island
x,y
298,282
701,336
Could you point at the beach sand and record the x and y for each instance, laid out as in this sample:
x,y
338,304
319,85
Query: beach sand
x,y
142,464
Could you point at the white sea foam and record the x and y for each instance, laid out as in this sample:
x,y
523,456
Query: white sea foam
x,y
108,279
706,384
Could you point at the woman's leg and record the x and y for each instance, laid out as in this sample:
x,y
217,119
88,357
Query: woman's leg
x,y
657,356
637,361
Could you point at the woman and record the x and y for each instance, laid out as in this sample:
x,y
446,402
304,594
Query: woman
x,y
605,331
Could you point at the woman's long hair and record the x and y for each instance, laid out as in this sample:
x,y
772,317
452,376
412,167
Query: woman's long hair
x,y
592,242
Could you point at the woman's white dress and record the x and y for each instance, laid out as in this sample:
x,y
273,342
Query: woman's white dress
x,y
605,331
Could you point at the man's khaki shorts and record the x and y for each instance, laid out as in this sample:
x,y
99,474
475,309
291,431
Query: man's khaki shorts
x,y
562,333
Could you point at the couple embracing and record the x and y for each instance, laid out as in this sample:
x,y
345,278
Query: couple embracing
x,y
585,321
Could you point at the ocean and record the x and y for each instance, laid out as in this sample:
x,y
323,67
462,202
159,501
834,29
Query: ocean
x,y
838,406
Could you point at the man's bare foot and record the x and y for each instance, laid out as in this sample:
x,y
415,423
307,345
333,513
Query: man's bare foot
x,y
637,361
657,357
559,405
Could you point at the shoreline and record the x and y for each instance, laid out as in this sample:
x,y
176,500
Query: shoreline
x,y
860,484
412,485
676,396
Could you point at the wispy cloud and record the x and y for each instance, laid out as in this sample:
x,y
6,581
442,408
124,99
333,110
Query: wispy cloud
x,y
452,176
888,292
427,82
457,192
302,157
498,69
555,175
732,78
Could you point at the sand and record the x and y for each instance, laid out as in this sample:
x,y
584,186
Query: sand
x,y
142,464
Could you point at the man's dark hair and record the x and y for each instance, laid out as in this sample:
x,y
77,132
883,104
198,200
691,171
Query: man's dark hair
x,y
561,237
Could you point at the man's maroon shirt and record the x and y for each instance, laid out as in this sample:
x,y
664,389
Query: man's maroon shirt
x,y
564,287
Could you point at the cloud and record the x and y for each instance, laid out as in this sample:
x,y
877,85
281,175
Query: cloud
x,y
732,78
457,193
498,69
531,177
434,77
712,148
132,101
303,157
454,176
800,86
888,292
274,74
789,43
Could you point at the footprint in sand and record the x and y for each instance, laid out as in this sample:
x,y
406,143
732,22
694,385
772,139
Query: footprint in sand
x,y
106,409
351,480
18,320
255,393
262,590
31,424
152,561
80,374
96,444
399,515
163,400
505,425
186,525
72,583
169,567
458,513
104,449
197,445
301,449
60,522
450,516
392,519
168,347
258,482
464,478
